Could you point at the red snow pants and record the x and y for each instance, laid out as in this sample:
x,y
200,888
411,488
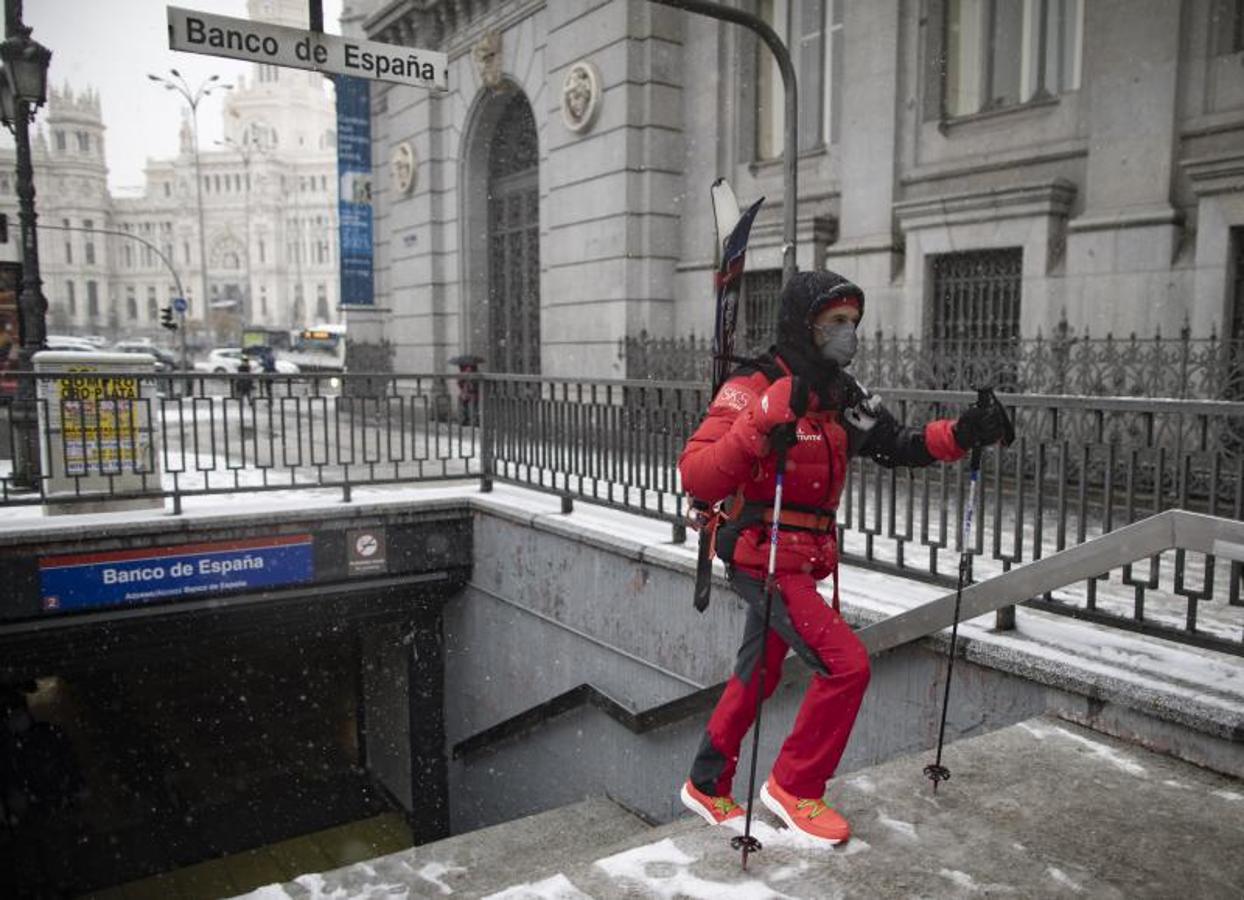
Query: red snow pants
x,y
800,620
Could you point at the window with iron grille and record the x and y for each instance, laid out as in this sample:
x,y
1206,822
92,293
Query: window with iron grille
x,y
514,242
761,290
974,321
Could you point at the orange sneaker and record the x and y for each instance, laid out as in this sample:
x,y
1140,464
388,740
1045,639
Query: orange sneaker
x,y
811,817
713,810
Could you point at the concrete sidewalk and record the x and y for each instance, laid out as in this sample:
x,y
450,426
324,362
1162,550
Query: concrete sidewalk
x,y
1040,809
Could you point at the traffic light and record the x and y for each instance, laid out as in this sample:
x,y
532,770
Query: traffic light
x,y
166,318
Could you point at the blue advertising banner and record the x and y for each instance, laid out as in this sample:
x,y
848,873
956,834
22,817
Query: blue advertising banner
x,y
123,577
354,190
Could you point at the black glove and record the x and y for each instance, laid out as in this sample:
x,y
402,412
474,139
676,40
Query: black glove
x,y
980,426
785,435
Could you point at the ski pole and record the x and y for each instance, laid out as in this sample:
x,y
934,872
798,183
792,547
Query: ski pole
x,y
985,398
745,841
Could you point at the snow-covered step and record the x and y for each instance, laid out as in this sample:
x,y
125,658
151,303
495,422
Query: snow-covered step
x,y
1043,808
476,863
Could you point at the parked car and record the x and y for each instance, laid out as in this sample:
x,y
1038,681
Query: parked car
x,y
227,359
61,343
69,343
165,361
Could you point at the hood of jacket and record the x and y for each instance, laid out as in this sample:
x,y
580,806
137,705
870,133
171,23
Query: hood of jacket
x,y
805,295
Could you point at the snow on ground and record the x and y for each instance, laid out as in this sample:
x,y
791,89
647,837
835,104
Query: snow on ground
x,y
1098,749
959,879
905,829
434,872
862,783
558,887
663,870
1063,880
793,840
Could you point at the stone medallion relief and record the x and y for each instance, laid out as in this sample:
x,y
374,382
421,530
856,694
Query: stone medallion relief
x,y
404,168
581,96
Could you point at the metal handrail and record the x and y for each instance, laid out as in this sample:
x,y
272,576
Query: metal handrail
x,y
1174,529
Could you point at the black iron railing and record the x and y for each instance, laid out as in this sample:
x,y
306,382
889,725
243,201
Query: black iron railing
x,y
1081,467
1182,366
176,436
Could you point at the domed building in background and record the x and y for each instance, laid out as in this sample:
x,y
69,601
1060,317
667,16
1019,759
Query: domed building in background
x,y
269,198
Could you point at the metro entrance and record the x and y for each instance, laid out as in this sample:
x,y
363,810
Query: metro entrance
x,y
158,761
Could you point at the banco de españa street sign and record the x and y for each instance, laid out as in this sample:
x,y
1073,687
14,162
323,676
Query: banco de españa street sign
x,y
276,45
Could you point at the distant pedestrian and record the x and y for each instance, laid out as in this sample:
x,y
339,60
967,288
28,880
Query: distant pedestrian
x,y
243,385
468,388
267,362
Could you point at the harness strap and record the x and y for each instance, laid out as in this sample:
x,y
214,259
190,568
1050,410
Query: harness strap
x,y
835,574
792,518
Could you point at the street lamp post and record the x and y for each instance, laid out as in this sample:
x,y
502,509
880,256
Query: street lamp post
x,y
23,89
193,97
246,151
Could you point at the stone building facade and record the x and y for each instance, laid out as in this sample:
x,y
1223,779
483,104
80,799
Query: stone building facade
x,y
982,169
269,193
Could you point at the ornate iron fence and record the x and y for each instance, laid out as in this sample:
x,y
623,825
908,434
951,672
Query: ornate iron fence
x,y
1081,467
1186,367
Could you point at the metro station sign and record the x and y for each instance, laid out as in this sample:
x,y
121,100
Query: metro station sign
x,y
199,32
120,577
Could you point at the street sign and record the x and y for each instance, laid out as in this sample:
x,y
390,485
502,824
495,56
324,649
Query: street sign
x,y
277,45
180,306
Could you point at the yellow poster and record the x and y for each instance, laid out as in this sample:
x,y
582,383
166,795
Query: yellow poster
x,y
101,426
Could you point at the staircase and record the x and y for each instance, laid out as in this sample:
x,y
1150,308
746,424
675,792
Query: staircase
x,y
1042,808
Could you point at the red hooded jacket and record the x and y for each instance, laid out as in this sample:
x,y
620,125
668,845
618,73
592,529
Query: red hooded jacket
x,y
727,452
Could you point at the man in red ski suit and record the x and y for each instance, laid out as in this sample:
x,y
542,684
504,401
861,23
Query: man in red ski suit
x,y
800,393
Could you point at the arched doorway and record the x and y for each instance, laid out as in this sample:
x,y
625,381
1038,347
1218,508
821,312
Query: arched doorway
x,y
513,216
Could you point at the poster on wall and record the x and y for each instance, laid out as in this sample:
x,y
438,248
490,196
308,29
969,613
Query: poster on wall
x,y
354,189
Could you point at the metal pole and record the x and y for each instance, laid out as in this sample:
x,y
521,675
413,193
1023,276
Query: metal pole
x,y
316,15
32,305
198,184
790,155
246,224
193,98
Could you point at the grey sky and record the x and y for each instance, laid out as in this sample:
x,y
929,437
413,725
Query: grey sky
x,y
111,45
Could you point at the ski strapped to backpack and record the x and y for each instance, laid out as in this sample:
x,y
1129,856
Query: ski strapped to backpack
x,y
733,230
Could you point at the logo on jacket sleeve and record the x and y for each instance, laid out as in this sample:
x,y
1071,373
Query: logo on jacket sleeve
x,y
733,397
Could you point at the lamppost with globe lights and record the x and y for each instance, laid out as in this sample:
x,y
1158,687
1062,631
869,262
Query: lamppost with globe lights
x,y
23,89
193,97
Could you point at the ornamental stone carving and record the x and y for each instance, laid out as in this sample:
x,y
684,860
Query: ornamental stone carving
x,y
403,167
487,56
581,96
